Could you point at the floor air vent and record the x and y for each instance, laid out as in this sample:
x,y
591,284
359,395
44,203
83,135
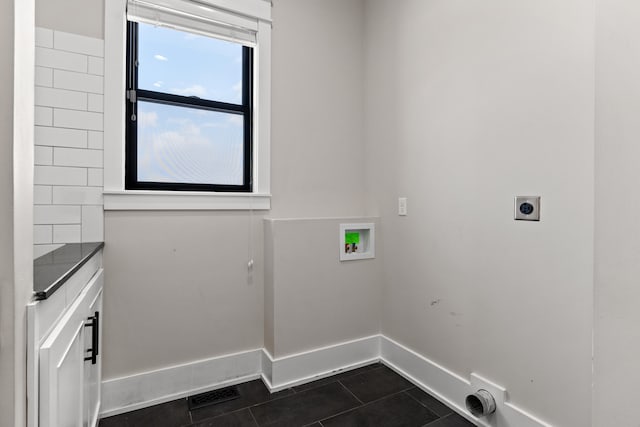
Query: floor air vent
x,y
213,397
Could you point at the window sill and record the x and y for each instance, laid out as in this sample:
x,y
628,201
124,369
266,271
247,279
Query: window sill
x,y
132,200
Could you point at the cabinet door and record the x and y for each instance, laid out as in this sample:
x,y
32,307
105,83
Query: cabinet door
x,y
93,372
62,373
63,354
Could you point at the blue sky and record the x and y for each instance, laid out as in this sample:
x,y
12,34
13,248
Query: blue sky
x,y
178,144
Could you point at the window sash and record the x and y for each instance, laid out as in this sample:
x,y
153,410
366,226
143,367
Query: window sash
x,y
134,94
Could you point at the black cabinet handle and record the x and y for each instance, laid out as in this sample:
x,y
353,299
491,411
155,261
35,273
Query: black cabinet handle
x,y
95,337
96,332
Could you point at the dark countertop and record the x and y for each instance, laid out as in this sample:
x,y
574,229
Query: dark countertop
x,y
51,270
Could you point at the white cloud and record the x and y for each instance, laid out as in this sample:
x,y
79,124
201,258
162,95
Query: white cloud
x,y
148,119
212,125
161,58
195,90
159,83
188,155
236,120
237,90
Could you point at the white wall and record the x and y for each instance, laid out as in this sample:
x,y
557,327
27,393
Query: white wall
x,y
7,344
317,159
617,250
317,300
85,17
178,288
16,203
269,295
195,302
470,104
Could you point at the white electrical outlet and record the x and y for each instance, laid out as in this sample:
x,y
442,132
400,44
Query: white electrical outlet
x,y
402,206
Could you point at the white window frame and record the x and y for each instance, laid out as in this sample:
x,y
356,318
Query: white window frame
x,y
116,197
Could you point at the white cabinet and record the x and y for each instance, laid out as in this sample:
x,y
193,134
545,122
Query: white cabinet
x,y
93,371
65,362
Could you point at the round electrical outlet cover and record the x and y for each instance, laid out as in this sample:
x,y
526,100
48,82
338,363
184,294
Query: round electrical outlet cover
x,y
526,208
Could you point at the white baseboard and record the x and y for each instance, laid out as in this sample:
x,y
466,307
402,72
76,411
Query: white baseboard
x,y
451,388
138,391
142,390
300,368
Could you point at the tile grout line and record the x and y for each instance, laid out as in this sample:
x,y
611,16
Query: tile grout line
x,y
224,414
389,395
424,405
253,417
350,392
334,379
439,419
313,387
346,411
331,416
363,404
258,404
368,403
189,411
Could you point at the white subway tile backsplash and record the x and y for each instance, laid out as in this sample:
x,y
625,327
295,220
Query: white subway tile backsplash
x,y
42,195
42,234
77,43
77,119
95,177
96,102
77,157
39,250
58,175
96,140
67,233
61,60
77,195
59,137
96,66
69,140
44,76
43,155
44,37
43,116
77,81
51,214
50,97
92,224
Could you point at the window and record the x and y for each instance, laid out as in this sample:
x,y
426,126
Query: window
x,y
192,115
189,111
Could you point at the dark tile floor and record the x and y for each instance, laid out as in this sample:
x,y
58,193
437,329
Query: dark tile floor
x,y
373,395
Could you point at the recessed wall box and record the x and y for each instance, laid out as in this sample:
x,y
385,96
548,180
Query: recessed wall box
x,y
527,208
357,241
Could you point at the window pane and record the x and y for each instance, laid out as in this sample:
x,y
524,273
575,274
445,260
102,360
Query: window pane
x,y
187,64
187,145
